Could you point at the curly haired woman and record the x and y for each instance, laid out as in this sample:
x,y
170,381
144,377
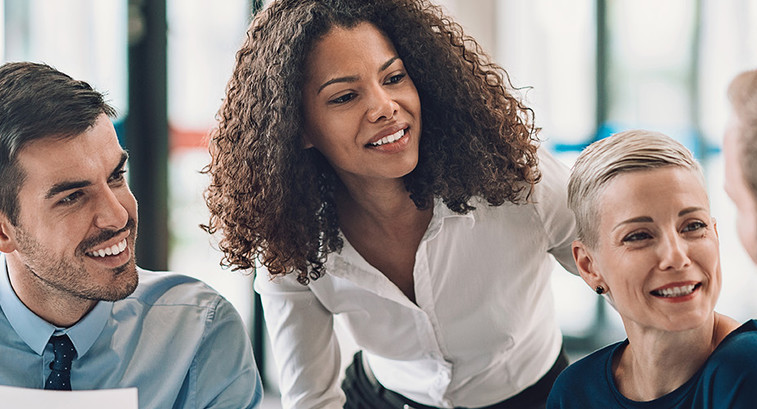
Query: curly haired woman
x,y
373,166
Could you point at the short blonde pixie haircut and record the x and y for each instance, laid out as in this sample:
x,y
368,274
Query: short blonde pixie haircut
x,y
600,162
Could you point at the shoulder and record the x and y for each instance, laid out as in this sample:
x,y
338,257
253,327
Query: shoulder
x,y
554,177
548,193
730,374
167,288
186,304
737,351
593,365
549,201
266,284
584,381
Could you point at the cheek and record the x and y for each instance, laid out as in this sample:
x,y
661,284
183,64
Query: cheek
x,y
130,204
746,220
625,275
125,195
623,292
746,229
706,252
413,103
331,132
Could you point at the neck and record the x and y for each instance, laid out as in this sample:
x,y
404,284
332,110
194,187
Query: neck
x,y
656,363
375,196
386,204
383,215
386,228
49,303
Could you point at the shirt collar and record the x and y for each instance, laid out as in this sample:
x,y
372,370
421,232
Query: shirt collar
x,y
36,332
441,212
348,255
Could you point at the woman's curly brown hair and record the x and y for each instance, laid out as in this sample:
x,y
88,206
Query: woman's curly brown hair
x,y
274,201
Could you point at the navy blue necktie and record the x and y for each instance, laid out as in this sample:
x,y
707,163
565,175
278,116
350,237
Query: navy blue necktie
x,y
60,377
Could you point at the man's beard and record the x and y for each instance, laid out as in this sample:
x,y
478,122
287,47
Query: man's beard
x,y
70,274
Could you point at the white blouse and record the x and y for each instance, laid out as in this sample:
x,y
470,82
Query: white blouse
x,y
483,328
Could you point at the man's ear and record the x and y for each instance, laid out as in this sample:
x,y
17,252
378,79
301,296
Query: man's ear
x,y
587,267
7,235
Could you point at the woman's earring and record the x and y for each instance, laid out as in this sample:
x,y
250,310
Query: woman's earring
x,y
600,290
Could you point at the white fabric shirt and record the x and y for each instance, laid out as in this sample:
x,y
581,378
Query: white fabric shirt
x,y
483,328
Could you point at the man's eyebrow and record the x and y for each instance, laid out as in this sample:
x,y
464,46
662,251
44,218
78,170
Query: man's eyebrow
x,y
78,184
354,78
64,186
121,163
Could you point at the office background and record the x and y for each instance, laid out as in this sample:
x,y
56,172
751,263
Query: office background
x,y
588,68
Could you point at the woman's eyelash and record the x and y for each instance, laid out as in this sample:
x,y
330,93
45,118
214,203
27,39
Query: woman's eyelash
x,y
396,78
343,98
697,225
349,96
636,236
690,227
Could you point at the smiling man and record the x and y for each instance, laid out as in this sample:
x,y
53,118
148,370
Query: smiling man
x,y
75,310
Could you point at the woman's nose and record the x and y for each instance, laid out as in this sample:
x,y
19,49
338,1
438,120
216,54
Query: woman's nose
x,y
382,105
673,252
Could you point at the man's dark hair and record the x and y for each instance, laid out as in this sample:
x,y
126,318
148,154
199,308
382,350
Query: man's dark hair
x,y
37,102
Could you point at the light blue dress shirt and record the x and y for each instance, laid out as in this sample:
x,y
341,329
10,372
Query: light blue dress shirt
x,y
175,339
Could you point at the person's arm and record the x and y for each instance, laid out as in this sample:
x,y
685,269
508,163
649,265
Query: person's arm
x,y
551,199
304,344
224,369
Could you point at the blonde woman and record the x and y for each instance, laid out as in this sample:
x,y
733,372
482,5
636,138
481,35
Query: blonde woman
x,y
647,241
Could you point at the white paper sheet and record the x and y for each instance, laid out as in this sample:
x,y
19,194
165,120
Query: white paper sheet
x,y
24,398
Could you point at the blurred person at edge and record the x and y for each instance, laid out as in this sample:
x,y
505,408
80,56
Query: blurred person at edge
x,y
68,225
740,154
647,241
374,167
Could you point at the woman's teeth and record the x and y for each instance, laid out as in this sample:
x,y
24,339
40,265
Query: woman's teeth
x,y
109,251
676,291
390,138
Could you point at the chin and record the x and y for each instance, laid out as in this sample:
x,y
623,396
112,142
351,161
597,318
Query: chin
x,y
124,290
126,281
689,321
408,169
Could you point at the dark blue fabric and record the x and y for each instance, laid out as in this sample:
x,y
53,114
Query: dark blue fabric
x,y
728,379
60,377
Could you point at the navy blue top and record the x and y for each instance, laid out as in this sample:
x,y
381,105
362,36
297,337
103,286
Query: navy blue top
x,y
728,379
